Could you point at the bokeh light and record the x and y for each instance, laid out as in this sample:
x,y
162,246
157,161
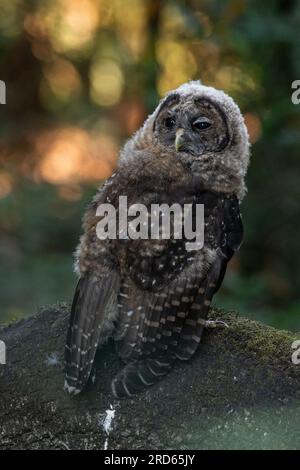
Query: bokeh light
x,y
5,184
72,23
178,65
10,25
71,155
106,82
60,84
254,127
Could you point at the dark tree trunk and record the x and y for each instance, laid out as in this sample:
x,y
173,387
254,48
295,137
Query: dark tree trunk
x,y
240,391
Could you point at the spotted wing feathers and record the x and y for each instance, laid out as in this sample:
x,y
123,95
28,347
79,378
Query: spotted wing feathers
x,y
90,322
166,323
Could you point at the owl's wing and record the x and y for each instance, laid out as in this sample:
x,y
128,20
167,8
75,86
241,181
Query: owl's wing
x,y
227,239
167,323
94,306
94,299
150,334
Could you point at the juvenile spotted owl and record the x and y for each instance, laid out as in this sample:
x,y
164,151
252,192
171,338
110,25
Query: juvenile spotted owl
x,y
152,296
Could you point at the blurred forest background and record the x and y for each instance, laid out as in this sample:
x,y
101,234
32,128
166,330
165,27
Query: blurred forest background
x,y
82,75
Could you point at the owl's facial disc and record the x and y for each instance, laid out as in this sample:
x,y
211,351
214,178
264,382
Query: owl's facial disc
x,y
191,126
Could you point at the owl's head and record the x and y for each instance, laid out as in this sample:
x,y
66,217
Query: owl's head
x,y
204,129
191,125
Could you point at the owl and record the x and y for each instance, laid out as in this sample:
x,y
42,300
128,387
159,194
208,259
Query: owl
x,y
152,296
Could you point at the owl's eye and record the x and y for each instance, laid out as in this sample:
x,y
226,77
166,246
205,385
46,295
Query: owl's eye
x,y
170,122
201,123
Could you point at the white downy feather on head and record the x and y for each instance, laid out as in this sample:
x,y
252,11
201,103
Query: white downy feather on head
x,y
238,148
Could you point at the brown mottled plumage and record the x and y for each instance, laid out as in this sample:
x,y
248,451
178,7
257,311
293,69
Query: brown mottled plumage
x,y
152,296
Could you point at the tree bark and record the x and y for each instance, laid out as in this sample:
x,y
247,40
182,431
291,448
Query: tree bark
x,y
241,390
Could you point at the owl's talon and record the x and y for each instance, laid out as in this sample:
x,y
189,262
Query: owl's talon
x,y
216,324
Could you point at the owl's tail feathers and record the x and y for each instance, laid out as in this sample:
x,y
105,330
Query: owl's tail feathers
x,y
140,374
87,327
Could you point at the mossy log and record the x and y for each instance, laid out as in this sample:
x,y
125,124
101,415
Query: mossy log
x,y
241,390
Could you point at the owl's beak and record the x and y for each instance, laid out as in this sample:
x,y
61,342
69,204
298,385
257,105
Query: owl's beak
x,y
179,139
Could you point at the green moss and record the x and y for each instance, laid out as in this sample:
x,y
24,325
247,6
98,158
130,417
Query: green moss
x,y
263,341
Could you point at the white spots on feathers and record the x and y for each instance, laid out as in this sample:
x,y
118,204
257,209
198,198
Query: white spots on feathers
x,y
123,295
